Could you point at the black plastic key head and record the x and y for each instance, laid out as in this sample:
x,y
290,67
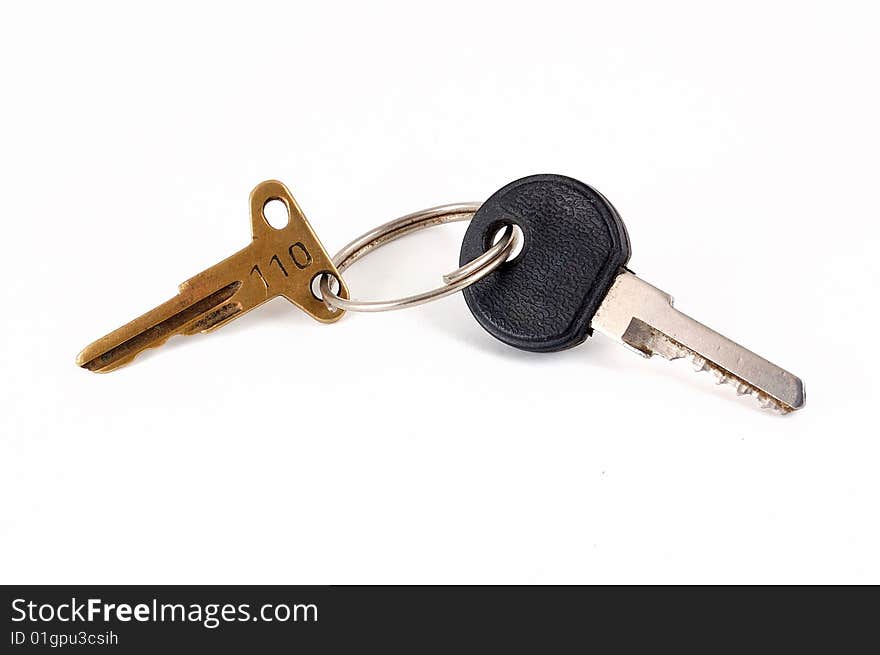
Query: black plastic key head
x,y
574,246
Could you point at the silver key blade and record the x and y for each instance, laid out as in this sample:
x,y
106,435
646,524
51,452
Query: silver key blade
x,y
642,317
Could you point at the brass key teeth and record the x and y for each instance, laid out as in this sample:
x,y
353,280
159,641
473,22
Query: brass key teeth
x,y
277,262
102,357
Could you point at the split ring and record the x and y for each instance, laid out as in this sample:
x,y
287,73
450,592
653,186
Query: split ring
x,y
457,280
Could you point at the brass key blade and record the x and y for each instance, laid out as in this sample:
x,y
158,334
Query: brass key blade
x,y
148,331
278,262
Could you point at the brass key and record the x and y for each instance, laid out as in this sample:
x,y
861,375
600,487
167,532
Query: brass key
x,y
278,262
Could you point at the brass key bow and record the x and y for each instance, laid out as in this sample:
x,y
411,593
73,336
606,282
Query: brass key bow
x,y
278,262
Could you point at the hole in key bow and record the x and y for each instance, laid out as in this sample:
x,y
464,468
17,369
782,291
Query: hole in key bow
x,y
499,233
275,213
316,281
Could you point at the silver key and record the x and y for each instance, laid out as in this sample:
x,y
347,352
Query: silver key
x,y
641,317
571,279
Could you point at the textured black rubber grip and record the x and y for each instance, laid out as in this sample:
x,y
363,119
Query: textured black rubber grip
x,y
575,244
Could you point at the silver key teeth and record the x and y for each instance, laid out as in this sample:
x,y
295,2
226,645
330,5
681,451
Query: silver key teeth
x,y
642,317
659,344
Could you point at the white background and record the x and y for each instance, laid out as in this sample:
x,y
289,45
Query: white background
x,y
739,142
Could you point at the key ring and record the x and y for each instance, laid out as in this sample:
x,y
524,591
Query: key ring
x,y
462,277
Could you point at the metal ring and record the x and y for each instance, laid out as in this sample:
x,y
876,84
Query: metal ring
x,y
457,280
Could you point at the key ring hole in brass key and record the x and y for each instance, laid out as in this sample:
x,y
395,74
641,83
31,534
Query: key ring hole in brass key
x,y
455,281
314,285
276,213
